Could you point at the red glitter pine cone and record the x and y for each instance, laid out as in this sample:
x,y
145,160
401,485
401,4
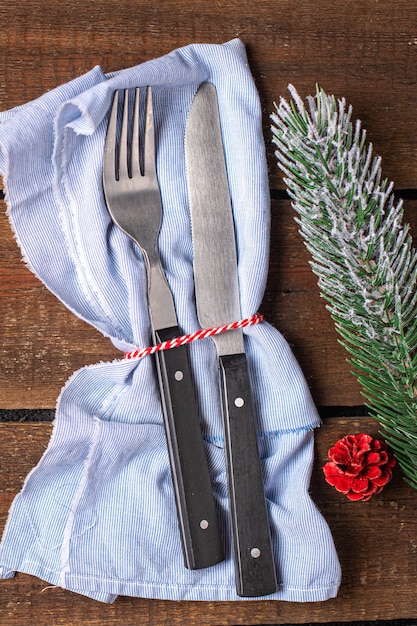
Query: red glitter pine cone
x,y
359,466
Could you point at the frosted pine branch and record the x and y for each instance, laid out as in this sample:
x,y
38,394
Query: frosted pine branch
x,y
362,254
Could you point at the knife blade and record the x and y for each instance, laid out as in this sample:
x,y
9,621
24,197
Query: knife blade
x,y
218,303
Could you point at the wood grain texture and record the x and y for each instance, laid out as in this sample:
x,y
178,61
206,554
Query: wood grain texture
x,y
376,542
43,343
366,52
363,51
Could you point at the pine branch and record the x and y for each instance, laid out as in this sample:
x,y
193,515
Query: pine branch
x,y
362,254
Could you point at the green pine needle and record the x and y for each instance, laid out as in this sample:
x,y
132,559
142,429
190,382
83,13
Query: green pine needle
x,y
362,254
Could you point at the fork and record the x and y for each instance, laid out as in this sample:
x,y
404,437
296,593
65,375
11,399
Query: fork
x,y
134,203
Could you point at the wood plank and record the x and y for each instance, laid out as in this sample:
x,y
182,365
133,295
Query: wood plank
x,y
376,543
355,49
43,343
366,52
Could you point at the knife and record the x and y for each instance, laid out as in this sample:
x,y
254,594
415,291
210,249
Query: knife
x,y
218,303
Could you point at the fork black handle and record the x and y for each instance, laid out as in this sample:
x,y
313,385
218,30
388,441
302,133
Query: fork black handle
x,y
197,514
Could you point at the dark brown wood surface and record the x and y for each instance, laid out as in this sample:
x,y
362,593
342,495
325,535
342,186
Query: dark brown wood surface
x,y
364,51
376,543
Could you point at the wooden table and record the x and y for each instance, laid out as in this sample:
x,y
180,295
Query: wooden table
x,y
365,51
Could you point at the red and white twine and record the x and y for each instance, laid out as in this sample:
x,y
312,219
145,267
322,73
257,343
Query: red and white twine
x,y
199,334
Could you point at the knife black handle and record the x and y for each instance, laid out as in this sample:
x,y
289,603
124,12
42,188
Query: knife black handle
x,y
197,514
252,551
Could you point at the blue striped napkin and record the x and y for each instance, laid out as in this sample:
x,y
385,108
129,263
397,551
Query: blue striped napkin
x,y
97,514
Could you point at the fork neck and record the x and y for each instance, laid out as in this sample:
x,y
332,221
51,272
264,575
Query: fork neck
x,y
161,302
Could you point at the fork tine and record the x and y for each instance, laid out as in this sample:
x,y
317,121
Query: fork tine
x,y
109,166
149,148
135,151
123,151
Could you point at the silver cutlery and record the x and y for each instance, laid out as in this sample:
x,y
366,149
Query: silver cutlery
x,y
134,203
218,303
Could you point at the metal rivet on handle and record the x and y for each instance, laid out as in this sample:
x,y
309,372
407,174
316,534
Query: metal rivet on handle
x,y
239,402
255,553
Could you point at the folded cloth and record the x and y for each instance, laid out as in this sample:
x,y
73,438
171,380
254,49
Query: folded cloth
x,y
97,514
